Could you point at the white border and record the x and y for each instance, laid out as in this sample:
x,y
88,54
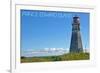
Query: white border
x,y
16,66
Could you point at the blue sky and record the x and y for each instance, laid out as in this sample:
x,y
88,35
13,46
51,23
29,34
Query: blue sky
x,y
50,29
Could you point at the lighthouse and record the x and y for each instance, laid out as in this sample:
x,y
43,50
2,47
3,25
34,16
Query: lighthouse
x,y
76,41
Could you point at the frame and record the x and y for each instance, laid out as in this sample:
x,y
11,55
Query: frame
x,y
17,66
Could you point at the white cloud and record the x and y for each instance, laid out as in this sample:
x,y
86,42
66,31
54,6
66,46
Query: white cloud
x,y
86,50
45,52
54,49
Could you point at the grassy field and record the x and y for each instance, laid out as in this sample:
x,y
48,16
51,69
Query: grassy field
x,y
64,57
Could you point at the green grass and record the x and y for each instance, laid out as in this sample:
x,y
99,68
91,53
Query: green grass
x,y
64,57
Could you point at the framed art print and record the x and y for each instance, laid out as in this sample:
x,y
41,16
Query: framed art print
x,y
50,37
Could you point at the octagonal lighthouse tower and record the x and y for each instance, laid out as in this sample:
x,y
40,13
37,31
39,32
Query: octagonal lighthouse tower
x,y
76,41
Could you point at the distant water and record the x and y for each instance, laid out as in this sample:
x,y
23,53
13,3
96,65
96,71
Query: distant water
x,y
40,53
44,53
